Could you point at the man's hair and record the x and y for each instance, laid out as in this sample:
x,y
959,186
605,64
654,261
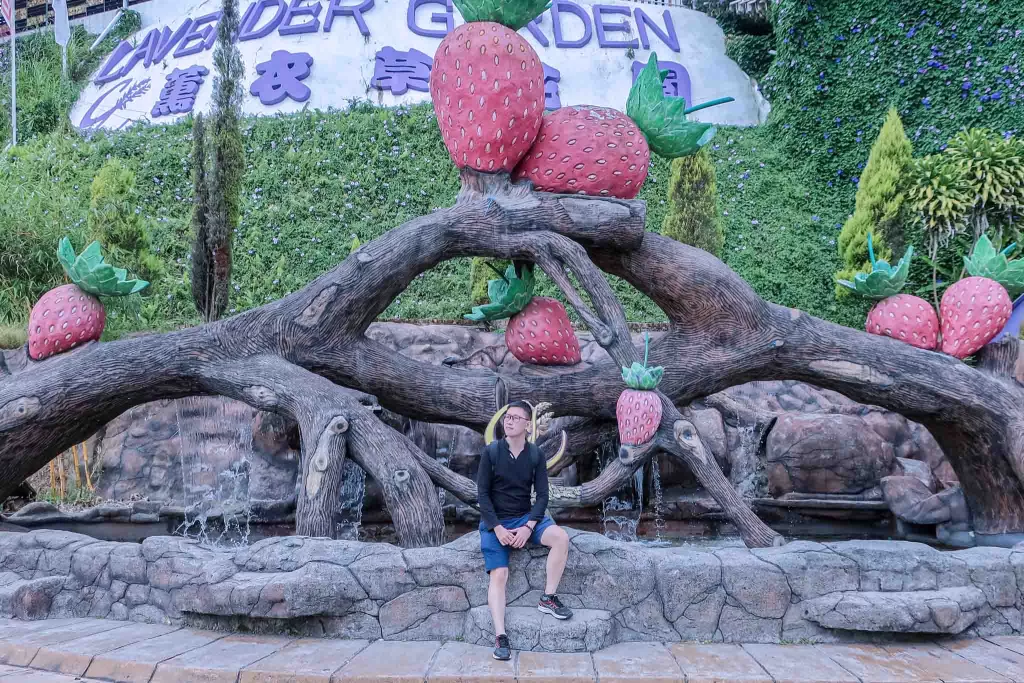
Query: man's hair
x,y
522,405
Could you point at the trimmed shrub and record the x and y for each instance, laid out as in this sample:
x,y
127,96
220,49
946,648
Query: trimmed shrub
x,y
693,217
880,206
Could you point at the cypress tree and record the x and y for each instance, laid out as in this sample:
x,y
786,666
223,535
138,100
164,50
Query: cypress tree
x,y
693,209
227,163
202,275
880,206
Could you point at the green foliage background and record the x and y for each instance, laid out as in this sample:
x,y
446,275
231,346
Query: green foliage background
x,y
314,180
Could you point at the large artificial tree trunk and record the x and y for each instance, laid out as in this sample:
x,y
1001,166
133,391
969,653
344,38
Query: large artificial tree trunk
x,y
307,357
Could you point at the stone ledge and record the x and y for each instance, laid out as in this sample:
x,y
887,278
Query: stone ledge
x,y
620,592
588,629
950,610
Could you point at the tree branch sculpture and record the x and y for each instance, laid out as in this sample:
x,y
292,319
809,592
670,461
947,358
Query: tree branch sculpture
x,y
307,356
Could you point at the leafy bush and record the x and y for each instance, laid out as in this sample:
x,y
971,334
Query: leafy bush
x,y
974,188
693,216
880,207
115,222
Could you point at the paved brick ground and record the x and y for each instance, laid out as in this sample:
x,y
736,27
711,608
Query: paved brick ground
x,y
67,650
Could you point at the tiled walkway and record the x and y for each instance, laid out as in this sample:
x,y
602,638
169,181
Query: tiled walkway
x,y
66,650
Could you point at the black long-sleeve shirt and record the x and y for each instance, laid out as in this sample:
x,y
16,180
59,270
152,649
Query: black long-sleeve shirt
x,y
503,483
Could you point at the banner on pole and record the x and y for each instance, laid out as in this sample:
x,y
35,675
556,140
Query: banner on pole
x,y
7,11
61,25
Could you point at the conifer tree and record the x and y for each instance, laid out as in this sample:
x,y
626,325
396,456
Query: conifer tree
x,y
693,216
880,208
223,173
202,274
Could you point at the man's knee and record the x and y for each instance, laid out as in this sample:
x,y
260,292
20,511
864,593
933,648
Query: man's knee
x,y
555,537
499,576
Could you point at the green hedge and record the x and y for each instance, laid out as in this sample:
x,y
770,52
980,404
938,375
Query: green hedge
x,y
319,178
322,177
944,64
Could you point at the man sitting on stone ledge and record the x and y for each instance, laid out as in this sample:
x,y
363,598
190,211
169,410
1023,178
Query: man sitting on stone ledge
x,y
509,468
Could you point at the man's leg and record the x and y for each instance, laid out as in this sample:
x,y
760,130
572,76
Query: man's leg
x,y
496,598
555,538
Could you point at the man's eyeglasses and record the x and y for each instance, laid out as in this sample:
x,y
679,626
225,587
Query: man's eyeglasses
x,y
514,419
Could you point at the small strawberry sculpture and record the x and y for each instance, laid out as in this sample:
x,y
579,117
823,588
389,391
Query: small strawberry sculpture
x,y
70,315
600,151
976,308
905,317
638,409
487,85
539,331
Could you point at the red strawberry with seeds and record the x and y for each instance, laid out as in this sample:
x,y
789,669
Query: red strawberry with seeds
x,y
588,150
539,331
638,409
70,315
601,151
542,334
907,318
62,319
487,85
974,310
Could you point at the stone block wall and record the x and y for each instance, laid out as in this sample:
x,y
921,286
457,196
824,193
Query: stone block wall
x,y
821,592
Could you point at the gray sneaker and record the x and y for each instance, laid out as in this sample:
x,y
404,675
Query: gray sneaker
x,y
502,648
550,604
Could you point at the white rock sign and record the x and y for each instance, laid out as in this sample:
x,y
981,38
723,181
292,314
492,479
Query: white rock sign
x,y
325,54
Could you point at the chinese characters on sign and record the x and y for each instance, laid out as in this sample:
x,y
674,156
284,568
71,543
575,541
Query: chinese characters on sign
x,y
399,71
360,44
179,93
281,77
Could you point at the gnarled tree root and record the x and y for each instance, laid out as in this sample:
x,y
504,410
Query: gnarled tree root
x,y
310,350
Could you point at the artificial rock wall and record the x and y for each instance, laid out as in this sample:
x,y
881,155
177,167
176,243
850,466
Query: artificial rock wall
x,y
823,592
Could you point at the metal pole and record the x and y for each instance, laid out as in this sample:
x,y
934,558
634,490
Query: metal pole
x,y
101,36
14,82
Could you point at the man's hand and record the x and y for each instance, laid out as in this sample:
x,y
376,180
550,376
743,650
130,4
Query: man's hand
x,y
520,536
505,537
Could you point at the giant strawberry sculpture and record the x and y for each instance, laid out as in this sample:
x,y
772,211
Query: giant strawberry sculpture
x,y
487,85
908,318
600,151
70,315
539,331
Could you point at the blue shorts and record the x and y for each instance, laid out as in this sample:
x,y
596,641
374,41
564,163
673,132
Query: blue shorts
x,y
496,554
